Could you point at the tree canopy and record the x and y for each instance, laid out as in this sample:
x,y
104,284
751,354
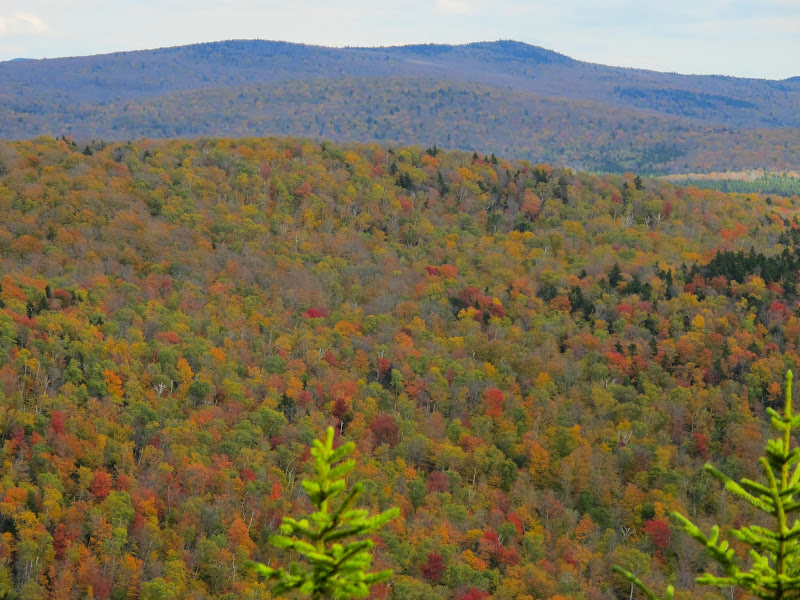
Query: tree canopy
x,y
179,319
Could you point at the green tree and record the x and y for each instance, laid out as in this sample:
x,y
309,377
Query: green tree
x,y
334,567
615,276
775,553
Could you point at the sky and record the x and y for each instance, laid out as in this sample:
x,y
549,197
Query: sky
x,y
753,38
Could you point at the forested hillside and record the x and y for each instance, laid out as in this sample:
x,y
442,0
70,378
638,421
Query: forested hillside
x,y
533,362
500,97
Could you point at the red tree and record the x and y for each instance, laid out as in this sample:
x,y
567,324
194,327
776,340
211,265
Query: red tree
x,y
101,484
57,421
434,567
437,482
472,594
384,430
658,531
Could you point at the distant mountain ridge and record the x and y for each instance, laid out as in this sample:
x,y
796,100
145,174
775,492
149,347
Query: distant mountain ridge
x,y
537,93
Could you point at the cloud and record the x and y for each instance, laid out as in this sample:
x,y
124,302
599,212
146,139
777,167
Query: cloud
x,y
778,25
22,23
12,50
769,26
454,7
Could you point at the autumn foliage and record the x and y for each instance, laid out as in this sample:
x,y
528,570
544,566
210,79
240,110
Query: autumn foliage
x,y
532,362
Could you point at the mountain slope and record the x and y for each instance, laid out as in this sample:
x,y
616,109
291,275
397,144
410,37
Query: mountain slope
x,y
134,94
533,362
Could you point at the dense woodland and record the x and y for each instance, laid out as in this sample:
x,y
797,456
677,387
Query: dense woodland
x,y
767,183
583,134
505,97
533,362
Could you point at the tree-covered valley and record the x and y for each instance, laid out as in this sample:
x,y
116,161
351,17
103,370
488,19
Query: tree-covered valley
x,y
533,362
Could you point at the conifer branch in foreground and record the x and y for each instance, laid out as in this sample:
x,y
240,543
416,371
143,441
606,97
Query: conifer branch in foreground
x,y
775,553
334,568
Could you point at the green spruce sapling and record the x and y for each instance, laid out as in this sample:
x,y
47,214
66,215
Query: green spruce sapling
x,y
775,553
335,562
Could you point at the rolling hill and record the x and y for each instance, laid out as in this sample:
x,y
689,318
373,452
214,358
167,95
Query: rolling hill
x,y
505,97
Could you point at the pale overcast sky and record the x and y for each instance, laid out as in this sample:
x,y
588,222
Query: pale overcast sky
x,y
748,38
